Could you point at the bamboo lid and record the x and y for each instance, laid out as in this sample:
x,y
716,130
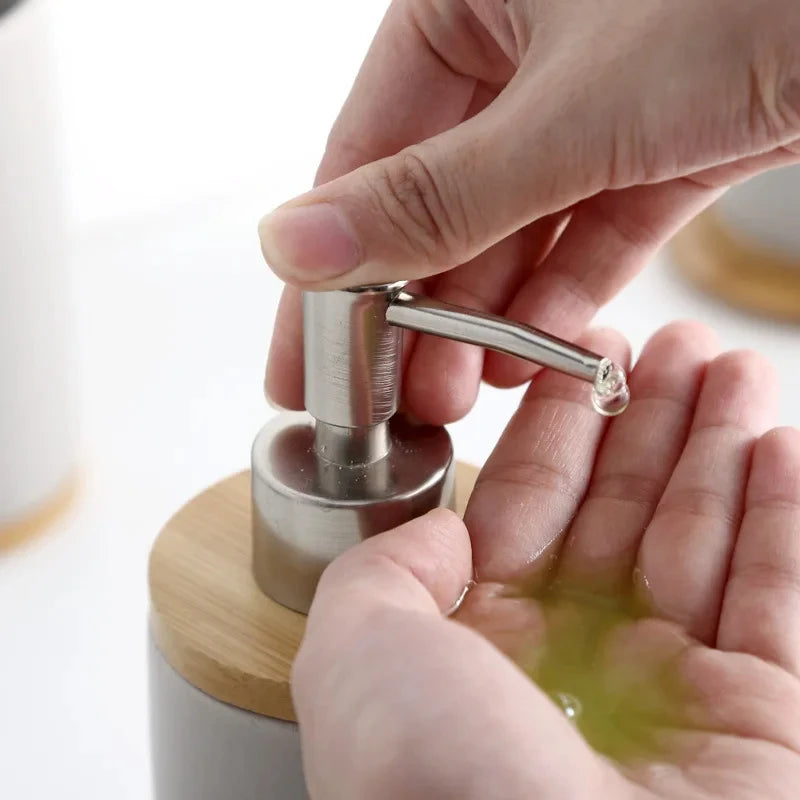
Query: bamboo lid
x,y
209,619
725,264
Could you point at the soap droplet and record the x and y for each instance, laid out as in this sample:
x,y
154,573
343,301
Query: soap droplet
x,y
611,394
569,704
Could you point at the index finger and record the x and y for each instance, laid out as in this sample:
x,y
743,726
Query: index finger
x,y
534,482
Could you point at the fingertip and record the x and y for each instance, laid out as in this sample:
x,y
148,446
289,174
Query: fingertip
x,y
309,241
283,384
745,384
283,378
448,530
427,558
745,367
673,362
775,470
686,334
435,549
271,401
782,443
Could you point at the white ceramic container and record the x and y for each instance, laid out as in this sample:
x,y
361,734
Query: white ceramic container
x,y
37,374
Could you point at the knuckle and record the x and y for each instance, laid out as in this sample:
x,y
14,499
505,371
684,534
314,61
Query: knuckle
x,y
703,504
413,198
789,100
342,155
781,445
708,673
679,334
772,578
774,97
628,487
577,294
632,229
743,367
532,476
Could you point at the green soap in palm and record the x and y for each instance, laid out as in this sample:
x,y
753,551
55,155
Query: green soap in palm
x,y
612,672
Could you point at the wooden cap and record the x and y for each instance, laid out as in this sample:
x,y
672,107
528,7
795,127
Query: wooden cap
x,y
210,620
722,263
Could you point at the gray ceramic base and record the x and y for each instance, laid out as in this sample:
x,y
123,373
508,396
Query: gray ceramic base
x,y
203,749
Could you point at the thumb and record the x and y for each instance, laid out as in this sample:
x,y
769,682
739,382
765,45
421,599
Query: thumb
x,y
430,207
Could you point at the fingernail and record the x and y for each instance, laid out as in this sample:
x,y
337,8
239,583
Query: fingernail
x,y
310,242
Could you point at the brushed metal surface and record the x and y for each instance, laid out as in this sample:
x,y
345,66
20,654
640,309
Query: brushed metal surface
x,y
427,315
352,356
307,511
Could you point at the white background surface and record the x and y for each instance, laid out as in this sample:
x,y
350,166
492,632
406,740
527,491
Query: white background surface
x,y
184,122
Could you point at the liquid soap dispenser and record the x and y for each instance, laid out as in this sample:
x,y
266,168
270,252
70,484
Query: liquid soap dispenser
x,y
233,573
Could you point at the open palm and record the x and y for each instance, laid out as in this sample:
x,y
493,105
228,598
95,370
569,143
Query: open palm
x,y
647,568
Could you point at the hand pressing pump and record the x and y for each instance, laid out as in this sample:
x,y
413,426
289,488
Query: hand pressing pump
x,y
351,466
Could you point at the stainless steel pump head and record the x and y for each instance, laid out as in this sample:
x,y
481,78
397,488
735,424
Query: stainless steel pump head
x,y
350,466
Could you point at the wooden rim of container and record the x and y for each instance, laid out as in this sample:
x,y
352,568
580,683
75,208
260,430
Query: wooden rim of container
x,y
723,263
209,619
41,520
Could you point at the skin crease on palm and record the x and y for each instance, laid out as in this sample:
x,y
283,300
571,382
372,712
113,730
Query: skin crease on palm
x,y
527,158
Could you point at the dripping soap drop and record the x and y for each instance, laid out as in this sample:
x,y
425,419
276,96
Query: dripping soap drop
x,y
610,395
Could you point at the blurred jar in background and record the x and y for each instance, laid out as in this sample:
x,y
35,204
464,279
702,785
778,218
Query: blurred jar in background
x,y
37,412
746,248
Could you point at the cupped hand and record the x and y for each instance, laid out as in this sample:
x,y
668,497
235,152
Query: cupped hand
x,y
683,502
527,158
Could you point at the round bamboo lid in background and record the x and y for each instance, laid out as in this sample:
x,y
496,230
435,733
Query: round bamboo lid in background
x,y
207,615
728,265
